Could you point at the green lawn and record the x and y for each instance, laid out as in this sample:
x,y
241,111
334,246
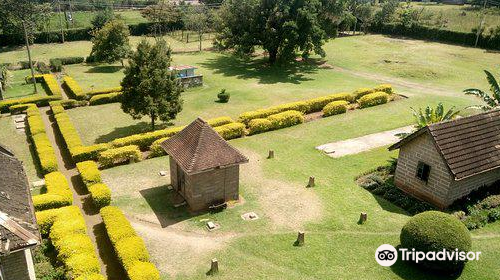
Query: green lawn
x,y
455,17
84,19
19,88
18,143
336,246
44,52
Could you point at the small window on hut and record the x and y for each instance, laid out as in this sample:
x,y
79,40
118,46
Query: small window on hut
x,y
423,171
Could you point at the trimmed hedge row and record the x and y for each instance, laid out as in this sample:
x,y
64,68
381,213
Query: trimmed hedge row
x,y
48,81
373,99
78,151
129,247
335,108
119,155
91,177
37,100
58,193
45,152
68,233
104,91
105,98
145,140
276,121
308,106
73,88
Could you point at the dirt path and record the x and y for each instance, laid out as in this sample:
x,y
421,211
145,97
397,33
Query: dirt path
x,y
363,143
95,227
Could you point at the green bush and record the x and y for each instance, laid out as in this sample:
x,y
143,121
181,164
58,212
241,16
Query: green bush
x,y
231,130
335,108
223,96
67,60
387,88
89,172
72,103
435,231
101,195
105,98
258,126
373,99
58,193
56,65
119,155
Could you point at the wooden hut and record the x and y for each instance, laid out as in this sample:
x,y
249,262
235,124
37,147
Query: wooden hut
x,y
204,168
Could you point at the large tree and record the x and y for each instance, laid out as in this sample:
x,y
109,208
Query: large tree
x,y
163,15
198,18
281,27
149,87
111,43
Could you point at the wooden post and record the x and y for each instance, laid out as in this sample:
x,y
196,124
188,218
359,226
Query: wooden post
x,y
300,239
131,159
214,267
362,218
271,154
311,182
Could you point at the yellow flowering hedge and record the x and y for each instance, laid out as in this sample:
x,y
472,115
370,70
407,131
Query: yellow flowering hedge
x,y
119,155
335,108
45,152
129,247
156,149
73,88
357,94
231,130
67,231
145,140
276,121
106,98
387,88
91,277
38,100
89,172
101,195
58,193
373,99
103,91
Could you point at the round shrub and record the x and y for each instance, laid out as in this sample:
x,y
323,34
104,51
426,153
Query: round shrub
x,y
223,96
143,271
433,231
335,108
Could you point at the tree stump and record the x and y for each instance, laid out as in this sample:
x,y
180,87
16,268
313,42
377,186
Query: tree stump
x,y
311,182
300,239
214,267
131,159
362,218
271,154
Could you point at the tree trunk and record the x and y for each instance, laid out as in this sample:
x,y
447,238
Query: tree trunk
x,y
153,117
29,57
121,60
201,34
273,56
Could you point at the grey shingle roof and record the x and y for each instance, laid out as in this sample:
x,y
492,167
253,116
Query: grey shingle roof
x,y
17,215
469,145
198,148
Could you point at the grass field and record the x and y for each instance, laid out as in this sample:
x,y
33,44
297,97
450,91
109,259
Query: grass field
x,y
19,88
18,144
83,19
336,247
44,52
456,17
411,65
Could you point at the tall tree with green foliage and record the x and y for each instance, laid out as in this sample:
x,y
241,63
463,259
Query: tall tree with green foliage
x,y
111,43
102,17
280,27
149,87
198,18
491,101
430,115
163,15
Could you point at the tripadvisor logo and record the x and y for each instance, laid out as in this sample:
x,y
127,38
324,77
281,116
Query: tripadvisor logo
x,y
387,255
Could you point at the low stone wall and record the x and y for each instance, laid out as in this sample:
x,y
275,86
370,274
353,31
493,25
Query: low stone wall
x,y
193,81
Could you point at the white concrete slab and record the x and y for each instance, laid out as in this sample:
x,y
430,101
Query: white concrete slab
x,y
364,143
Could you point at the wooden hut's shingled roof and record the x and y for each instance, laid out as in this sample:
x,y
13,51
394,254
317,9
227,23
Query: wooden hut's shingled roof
x,y
18,228
198,147
469,145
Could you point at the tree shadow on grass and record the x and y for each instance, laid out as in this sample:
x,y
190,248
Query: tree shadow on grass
x,y
124,131
389,206
162,201
104,69
258,68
